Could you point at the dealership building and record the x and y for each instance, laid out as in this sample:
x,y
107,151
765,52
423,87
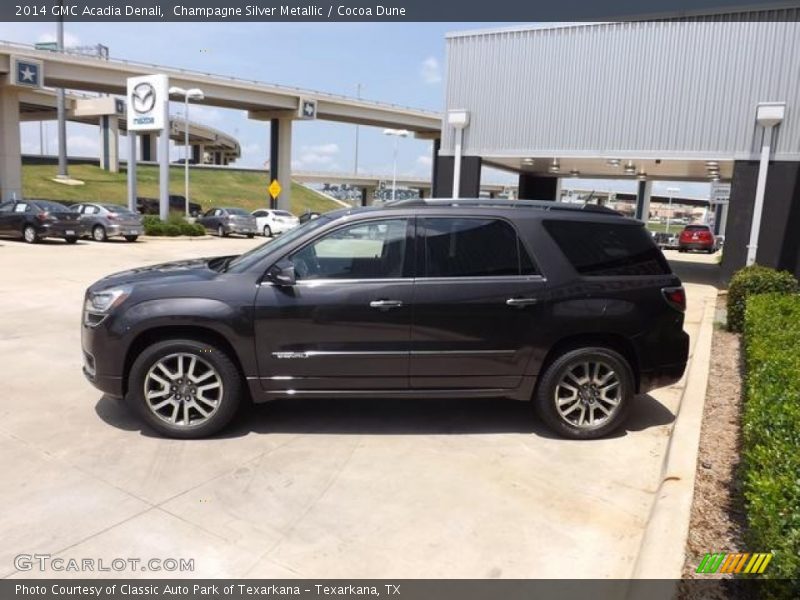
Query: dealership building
x,y
702,98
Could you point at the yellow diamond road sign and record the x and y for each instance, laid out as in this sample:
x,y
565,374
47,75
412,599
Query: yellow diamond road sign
x,y
274,188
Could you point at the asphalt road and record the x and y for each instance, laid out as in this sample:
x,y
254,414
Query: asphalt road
x,y
297,488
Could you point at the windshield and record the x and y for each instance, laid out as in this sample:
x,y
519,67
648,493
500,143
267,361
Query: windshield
x,y
237,211
283,213
252,257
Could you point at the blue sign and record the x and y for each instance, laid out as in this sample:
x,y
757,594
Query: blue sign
x,y
28,73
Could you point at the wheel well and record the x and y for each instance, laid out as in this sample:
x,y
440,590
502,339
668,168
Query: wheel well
x,y
159,334
612,341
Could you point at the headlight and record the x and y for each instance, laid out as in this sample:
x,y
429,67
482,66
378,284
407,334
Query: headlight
x,y
103,301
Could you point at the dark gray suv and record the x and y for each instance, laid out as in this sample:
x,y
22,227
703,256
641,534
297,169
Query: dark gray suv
x,y
572,308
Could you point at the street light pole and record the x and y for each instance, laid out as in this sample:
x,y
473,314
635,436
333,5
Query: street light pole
x,y
670,191
61,105
355,161
197,94
398,133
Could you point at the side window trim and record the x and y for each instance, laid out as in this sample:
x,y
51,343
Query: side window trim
x,y
410,262
422,255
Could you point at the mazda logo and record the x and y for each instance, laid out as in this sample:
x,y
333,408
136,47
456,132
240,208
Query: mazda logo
x,y
143,98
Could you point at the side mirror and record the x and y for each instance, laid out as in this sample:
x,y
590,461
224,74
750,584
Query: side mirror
x,y
282,274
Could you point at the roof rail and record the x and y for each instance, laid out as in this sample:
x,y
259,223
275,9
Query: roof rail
x,y
493,202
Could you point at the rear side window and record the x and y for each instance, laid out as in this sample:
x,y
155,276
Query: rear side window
x,y
465,247
607,249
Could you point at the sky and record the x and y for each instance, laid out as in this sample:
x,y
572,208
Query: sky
x,y
392,62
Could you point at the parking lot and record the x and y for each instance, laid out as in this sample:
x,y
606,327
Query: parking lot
x,y
300,488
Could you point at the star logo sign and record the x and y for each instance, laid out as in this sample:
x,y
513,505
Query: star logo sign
x,y
28,74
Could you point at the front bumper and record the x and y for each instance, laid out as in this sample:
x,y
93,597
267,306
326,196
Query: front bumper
x,y
100,361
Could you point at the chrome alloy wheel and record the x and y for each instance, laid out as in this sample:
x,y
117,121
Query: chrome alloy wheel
x,y
183,389
588,394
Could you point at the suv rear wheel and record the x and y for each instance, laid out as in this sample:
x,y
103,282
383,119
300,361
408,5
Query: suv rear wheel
x,y
185,388
585,393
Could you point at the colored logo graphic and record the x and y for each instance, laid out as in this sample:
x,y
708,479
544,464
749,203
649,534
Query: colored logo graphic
x,y
28,73
742,562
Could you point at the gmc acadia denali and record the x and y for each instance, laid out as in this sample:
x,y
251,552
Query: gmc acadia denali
x,y
571,307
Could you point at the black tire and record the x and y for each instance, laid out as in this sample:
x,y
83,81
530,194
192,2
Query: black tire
x,y
131,238
99,233
547,388
267,231
29,234
71,239
221,231
228,403
250,236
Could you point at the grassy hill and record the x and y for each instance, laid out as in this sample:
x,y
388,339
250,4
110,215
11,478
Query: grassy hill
x,y
209,187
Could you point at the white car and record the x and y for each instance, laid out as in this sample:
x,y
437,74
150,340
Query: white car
x,y
272,222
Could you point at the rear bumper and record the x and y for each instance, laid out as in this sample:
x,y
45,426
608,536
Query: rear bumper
x,y
122,229
696,246
60,230
661,377
674,355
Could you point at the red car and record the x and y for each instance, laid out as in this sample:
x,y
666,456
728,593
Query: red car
x,y
697,237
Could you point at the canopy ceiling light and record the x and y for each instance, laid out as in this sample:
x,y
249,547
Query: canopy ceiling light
x,y
630,168
614,162
554,167
574,173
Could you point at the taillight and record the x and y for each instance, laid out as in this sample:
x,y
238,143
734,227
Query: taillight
x,y
706,235
675,297
112,216
43,216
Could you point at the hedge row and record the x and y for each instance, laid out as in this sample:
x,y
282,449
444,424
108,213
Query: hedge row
x,y
754,280
176,225
771,430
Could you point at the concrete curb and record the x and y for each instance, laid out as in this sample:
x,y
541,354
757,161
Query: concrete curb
x,y
177,238
662,552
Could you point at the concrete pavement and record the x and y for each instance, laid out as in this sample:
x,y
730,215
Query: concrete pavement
x,y
298,488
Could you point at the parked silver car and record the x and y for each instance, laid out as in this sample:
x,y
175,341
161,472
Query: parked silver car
x,y
226,220
102,221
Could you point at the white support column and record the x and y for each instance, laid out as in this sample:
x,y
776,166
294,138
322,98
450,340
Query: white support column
x,y
132,171
163,173
723,218
10,156
284,163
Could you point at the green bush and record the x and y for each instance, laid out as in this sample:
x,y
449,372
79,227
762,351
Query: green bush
x,y
174,226
754,280
771,431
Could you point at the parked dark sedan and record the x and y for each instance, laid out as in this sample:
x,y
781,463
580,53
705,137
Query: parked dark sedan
x,y
34,220
573,308
224,221
150,206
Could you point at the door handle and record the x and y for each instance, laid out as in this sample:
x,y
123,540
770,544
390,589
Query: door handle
x,y
521,302
386,304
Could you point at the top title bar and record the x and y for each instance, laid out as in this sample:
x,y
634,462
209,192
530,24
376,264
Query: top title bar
x,y
381,10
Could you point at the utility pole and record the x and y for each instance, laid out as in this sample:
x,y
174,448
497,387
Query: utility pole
x,y
355,161
61,105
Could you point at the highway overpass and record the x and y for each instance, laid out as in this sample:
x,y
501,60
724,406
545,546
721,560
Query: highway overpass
x,y
263,101
208,145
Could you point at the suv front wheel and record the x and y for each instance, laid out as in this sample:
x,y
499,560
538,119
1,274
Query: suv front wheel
x,y
185,388
585,393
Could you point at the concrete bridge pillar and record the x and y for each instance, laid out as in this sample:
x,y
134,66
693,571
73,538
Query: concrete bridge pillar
x,y
10,157
367,195
148,144
109,143
280,159
198,152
